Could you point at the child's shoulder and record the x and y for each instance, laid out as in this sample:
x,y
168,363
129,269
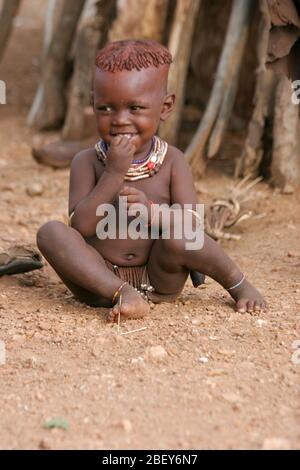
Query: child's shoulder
x,y
176,158
174,155
84,157
86,160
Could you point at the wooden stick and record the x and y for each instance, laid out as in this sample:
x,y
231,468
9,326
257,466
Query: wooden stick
x,y
119,312
134,331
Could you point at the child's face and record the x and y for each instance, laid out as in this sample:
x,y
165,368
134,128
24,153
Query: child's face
x,y
131,103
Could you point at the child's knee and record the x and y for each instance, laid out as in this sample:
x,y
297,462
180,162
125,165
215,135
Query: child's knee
x,y
173,246
47,231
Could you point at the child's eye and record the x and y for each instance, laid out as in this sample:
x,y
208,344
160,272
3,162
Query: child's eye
x,y
106,109
136,107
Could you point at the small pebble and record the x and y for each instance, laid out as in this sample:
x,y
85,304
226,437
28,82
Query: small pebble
x,y
35,189
288,189
203,359
124,425
157,352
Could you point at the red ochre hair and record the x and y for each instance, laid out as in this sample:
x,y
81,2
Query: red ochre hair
x,y
132,54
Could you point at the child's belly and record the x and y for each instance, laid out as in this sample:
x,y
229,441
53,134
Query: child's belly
x,y
123,252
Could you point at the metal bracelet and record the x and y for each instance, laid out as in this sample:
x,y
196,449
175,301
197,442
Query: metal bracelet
x,y
238,284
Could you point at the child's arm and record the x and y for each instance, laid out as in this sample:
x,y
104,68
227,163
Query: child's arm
x,y
182,183
182,191
86,194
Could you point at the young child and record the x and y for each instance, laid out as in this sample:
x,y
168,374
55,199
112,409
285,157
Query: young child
x,y
130,99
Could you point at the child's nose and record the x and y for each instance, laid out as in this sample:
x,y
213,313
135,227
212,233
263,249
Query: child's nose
x,y
120,118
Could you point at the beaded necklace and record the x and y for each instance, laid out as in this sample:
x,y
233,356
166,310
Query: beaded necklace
x,y
139,169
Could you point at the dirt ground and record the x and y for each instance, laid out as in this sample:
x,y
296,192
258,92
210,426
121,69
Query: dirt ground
x,y
225,380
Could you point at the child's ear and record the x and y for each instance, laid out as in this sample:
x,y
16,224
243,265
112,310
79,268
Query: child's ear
x,y
92,98
168,106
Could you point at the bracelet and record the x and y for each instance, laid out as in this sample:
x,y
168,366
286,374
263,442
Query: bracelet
x,y
118,292
195,213
70,218
238,284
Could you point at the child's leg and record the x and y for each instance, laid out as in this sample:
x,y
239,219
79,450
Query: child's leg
x,y
169,262
83,269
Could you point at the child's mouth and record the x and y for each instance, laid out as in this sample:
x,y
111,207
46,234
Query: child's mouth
x,y
127,135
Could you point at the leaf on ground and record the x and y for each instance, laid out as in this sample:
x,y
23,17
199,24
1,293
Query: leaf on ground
x,y
56,423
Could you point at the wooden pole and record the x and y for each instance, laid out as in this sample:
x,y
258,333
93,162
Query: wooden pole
x,y
92,35
208,136
48,108
180,44
8,12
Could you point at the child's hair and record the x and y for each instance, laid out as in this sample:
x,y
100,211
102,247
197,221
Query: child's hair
x,y
132,54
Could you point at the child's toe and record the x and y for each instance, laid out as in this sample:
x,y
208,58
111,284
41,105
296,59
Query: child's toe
x,y
112,314
250,306
241,306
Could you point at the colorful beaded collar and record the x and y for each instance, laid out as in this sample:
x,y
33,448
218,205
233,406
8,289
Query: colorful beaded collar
x,y
139,169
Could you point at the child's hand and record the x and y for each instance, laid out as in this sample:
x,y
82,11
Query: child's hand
x,y
135,196
119,155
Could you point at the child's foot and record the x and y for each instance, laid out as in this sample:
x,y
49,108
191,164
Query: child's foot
x,y
247,298
132,305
